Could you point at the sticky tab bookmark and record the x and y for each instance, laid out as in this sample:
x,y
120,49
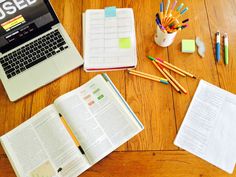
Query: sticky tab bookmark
x,y
110,11
125,43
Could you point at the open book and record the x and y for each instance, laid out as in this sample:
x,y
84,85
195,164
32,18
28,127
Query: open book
x,y
94,115
109,39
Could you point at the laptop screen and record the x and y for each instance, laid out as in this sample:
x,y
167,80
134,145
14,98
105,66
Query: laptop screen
x,y
21,19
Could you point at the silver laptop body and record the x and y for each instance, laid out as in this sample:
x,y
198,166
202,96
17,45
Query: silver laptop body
x,y
37,49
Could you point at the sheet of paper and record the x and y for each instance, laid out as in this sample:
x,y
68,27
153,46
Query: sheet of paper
x,y
208,130
109,38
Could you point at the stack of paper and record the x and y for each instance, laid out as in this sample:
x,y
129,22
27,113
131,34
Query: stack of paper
x,y
109,39
209,128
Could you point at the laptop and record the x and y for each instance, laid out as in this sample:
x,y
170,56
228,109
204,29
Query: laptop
x,y
34,47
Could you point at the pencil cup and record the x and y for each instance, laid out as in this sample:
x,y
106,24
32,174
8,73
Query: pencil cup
x,y
164,39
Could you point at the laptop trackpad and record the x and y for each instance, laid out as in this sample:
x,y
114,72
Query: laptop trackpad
x,y
44,73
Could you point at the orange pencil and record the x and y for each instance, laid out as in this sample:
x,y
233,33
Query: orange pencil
x,y
163,81
174,80
172,69
172,66
164,74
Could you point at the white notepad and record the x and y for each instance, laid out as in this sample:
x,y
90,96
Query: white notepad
x,y
109,39
209,128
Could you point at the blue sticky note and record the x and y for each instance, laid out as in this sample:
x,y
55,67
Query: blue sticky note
x,y
110,11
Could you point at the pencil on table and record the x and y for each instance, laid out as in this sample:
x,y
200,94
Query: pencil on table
x,y
164,74
175,67
174,80
167,66
146,74
150,77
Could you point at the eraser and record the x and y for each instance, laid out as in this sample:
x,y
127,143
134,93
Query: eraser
x,y
188,46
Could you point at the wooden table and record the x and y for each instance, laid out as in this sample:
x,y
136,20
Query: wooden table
x,y
160,108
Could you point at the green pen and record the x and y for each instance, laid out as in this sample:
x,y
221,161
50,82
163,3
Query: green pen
x,y
226,44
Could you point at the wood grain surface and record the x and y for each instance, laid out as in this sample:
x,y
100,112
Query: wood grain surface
x,y
159,107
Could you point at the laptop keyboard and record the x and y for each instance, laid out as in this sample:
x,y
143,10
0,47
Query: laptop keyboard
x,y
33,53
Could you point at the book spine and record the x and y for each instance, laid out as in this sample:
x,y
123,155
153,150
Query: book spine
x,y
107,79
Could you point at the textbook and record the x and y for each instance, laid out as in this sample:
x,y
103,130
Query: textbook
x,y
75,132
109,39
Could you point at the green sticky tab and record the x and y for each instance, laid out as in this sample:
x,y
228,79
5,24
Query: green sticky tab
x,y
100,97
96,91
188,46
125,43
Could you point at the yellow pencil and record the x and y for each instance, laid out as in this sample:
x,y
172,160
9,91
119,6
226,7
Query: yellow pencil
x,y
172,66
174,80
172,69
164,74
150,78
70,131
146,74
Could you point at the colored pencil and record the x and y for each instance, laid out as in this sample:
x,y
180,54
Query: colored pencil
x,y
167,18
70,131
164,74
146,74
150,77
167,8
167,66
173,79
175,67
176,17
161,11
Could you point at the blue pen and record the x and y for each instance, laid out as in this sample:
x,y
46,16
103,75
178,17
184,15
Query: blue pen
x,y
218,46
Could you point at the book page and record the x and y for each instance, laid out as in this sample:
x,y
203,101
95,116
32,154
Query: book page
x,y
98,120
110,42
42,147
208,130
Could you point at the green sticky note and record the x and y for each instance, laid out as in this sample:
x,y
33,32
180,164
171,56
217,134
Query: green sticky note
x,y
125,43
188,46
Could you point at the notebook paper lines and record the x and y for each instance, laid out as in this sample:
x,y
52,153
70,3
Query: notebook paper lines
x,y
110,40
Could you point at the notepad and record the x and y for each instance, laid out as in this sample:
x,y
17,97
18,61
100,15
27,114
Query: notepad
x,y
209,128
188,46
109,39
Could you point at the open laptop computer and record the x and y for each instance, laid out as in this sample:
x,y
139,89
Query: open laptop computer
x,y
34,47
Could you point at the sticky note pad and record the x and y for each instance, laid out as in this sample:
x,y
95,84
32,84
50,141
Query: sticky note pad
x,y
110,11
124,43
188,46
